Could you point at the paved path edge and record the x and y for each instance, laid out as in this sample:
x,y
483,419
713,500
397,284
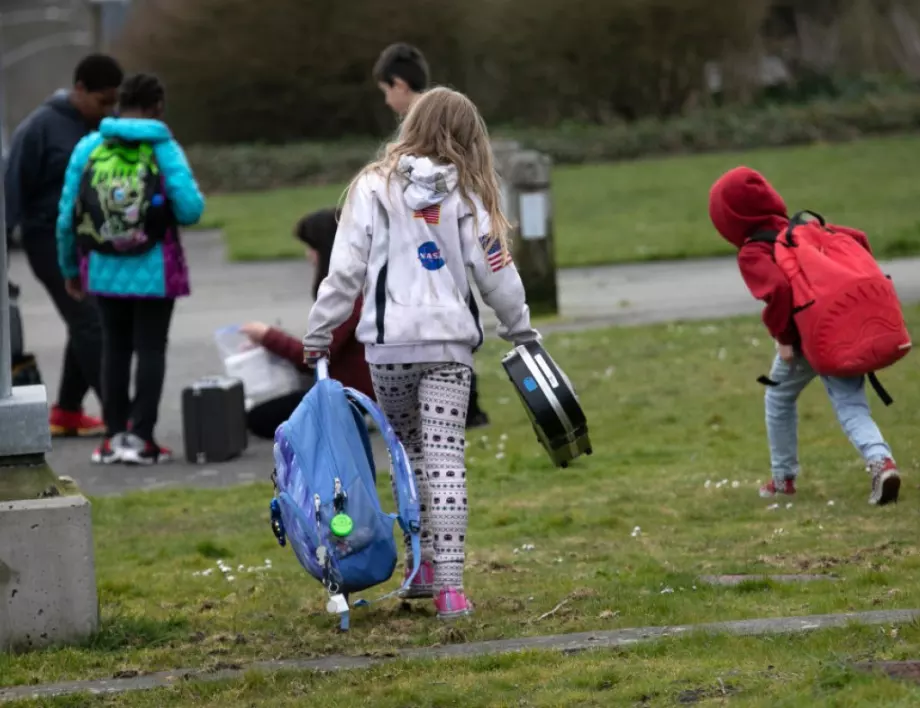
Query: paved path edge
x,y
564,643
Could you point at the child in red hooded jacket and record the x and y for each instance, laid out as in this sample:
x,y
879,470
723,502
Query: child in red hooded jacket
x,y
742,203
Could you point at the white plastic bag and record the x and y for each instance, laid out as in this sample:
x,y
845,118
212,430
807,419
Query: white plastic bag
x,y
264,375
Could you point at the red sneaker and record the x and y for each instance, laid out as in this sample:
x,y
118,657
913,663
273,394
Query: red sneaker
x,y
771,490
69,424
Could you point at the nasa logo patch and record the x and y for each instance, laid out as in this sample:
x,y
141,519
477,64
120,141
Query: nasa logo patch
x,y
429,255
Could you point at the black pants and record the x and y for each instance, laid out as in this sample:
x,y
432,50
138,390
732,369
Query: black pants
x,y
474,408
83,353
129,327
263,420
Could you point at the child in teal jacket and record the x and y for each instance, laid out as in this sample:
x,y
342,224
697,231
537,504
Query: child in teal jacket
x,y
136,292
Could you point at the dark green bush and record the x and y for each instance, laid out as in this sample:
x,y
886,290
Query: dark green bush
x,y
243,71
253,167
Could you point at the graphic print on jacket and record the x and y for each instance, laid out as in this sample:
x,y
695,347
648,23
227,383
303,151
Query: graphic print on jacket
x,y
159,271
407,243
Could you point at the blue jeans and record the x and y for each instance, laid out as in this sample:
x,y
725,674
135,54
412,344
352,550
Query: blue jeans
x,y
848,397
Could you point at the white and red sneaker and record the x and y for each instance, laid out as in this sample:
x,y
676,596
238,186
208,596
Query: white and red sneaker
x,y
109,452
886,482
771,488
139,452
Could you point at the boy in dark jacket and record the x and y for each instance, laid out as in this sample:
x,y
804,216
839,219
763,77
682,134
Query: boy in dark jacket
x,y
39,154
741,204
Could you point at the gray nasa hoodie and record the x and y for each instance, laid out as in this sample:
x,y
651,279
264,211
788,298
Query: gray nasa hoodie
x,y
39,152
406,248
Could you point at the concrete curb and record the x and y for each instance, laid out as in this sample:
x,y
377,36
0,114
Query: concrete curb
x,y
564,643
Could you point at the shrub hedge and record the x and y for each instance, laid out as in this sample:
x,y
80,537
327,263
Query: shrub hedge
x,y
241,71
254,167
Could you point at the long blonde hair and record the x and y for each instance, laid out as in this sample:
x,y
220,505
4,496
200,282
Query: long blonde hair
x,y
445,126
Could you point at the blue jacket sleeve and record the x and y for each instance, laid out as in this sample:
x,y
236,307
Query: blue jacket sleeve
x,y
22,166
66,236
181,188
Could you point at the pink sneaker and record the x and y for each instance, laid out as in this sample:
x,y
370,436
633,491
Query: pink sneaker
x,y
422,584
451,603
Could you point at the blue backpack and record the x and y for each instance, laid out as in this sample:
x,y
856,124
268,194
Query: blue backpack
x,y
326,500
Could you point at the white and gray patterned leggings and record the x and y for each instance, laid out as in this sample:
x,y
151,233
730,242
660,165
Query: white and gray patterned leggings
x,y
426,405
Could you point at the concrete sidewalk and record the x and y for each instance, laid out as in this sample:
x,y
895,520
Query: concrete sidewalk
x,y
567,644
279,292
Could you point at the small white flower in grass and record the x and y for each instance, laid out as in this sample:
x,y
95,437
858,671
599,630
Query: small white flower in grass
x,y
608,372
667,591
722,354
240,567
503,437
636,532
755,342
736,484
516,551
231,578
820,527
208,571
758,482
558,560
719,485
196,574
772,507
831,503
724,481
500,456
708,483
694,587
484,439
789,505
528,547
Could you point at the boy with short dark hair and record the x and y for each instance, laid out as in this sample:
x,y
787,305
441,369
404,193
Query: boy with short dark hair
x,y
401,72
39,153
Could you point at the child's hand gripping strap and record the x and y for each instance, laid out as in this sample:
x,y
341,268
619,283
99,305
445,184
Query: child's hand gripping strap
x,y
408,510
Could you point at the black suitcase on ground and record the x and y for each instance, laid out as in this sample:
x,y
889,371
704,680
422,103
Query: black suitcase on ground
x,y
214,420
550,402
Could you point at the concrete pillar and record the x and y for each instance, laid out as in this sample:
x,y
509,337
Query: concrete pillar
x,y
528,203
47,568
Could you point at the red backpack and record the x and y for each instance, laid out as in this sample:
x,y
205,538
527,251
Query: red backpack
x,y
845,308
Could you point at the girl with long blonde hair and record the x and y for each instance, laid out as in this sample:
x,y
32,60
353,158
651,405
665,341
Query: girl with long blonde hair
x,y
413,222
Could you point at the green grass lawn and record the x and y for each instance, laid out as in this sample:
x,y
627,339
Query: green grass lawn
x,y
651,209
670,408
756,672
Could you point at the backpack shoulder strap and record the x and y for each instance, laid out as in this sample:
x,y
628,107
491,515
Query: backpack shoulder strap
x,y
799,218
763,237
409,510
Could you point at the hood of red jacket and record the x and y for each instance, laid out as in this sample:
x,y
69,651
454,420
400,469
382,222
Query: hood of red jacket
x,y
742,202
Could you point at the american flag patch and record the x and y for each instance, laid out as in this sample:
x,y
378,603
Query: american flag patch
x,y
495,257
431,214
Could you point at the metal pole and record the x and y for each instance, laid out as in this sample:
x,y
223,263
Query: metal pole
x,y
6,364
